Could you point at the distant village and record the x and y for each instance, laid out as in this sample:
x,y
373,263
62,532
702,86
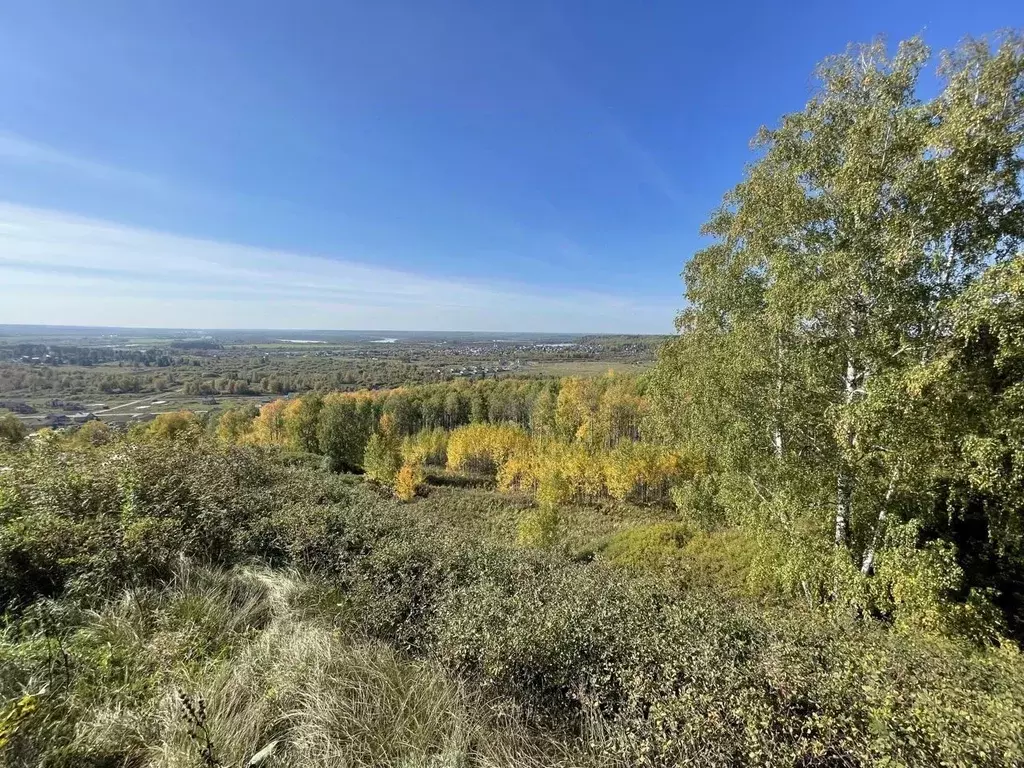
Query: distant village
x,y
67,413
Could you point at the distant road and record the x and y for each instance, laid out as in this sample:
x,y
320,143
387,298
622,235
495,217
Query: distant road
x,y
123,405
150,398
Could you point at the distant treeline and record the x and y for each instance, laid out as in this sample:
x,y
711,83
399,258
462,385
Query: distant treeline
x,y
64,381
52,354
272,376
563,440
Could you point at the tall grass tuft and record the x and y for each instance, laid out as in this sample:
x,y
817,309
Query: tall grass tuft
x,y
233,669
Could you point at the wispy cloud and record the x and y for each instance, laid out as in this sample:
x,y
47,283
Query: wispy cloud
x,y
63,269
650,169
19,150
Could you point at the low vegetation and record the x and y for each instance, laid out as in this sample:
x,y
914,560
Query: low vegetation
x,y
307,611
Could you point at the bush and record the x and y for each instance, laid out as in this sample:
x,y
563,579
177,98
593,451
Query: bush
x,y
648,547
85,518
409,478
721,560
12,431
382,459
94,433
539,527
179,424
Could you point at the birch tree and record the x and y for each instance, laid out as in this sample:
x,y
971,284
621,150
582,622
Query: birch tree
x,y
818,358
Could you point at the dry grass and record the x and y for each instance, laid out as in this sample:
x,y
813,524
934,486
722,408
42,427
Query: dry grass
x,y
271,677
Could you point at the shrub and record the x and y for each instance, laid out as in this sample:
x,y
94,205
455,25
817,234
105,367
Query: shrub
x,y
87,518
94,433
669,674
650,547
538,527
409,478
721,560
382,459
179,424
12,431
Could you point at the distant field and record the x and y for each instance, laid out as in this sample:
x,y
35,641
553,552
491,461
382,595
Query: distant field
x,y
583,368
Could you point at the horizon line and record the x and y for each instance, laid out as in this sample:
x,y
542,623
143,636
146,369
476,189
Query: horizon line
x,y
321,330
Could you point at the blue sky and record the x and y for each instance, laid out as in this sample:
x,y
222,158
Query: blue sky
x,y
418,165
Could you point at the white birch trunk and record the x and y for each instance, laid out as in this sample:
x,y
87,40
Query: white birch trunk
x,y
844,479
868,563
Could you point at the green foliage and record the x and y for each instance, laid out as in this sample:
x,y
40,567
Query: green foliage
x,y
723,560
850,355
94,433
12,431
648,547
539,527
383,458
343,431
85,518
13,718
684,678
918,586
668,674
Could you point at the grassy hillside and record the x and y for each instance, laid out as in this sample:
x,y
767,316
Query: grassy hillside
x,y
176,602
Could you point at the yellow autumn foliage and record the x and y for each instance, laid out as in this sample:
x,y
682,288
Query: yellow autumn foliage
x,y
409,478
269,425
429,446
584,441
176,424
485,447
641,472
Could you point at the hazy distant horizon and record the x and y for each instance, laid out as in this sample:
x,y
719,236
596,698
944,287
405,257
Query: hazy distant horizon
x,y
68,270
7,329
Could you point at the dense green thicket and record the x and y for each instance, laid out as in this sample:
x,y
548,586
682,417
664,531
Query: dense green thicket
x,y
654,671
851,361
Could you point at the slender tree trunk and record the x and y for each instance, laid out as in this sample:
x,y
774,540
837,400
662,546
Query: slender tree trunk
x,y
844,477
868,563
844,505
777,440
